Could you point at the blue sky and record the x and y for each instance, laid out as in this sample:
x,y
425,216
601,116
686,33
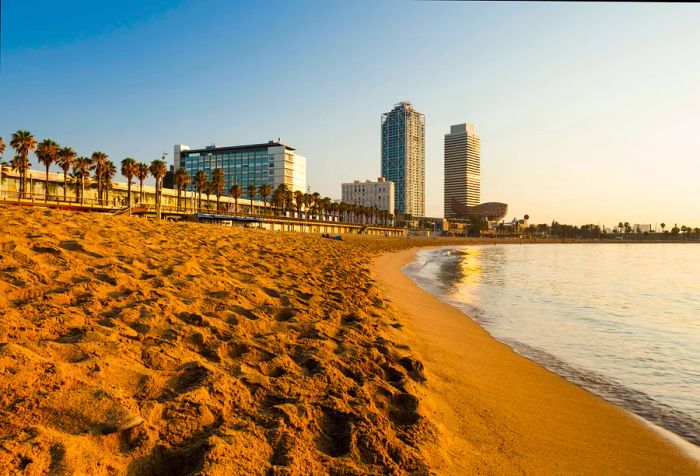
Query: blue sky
x,y
587,113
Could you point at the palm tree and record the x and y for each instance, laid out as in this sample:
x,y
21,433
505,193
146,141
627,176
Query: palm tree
x,y
99,160
142,171
265,191
217,184
288,199
158,170
81,170
200,180
299,201
308,201
46,153
315,197
627,226
663,225
128,171
236,192
207,191
24,143
65,159
252,190
332,209
281,196
326,203
108,172
2,164
182,180
275,199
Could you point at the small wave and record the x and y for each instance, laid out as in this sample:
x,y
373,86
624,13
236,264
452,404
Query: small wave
x,y
632,400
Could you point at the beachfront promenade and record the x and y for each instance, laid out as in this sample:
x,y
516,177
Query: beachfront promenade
x,y
267,221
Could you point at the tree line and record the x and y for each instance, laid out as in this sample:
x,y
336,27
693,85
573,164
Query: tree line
x,y
77,169
591,231
279,201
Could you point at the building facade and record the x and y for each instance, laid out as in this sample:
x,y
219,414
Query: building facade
x,y
378,194
272,163
403,157
462,168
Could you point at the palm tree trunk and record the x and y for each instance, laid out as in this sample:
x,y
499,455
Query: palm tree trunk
x,y
128,192
46,185
158,192
235,204
65,182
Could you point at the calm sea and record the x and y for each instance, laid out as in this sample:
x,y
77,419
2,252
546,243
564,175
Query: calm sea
x,y
621,320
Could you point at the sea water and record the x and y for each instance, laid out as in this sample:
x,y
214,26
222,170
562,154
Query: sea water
x,y
621,320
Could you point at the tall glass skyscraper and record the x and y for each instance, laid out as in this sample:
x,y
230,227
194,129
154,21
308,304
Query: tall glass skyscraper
x,y
462,168
403,157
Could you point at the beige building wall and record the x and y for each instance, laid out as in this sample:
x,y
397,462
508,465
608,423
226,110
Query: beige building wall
x,y
368,194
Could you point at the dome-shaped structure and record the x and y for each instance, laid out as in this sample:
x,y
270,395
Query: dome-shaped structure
x,y
491,211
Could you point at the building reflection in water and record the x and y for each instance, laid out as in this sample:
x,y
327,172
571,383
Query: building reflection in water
x,y
466,270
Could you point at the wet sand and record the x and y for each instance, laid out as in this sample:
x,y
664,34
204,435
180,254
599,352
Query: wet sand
x,y
499,413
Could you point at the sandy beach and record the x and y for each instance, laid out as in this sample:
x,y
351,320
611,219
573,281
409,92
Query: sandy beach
x,y
499,413
129,346
137,347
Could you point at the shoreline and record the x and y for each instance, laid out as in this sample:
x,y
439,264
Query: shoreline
x,y
497,411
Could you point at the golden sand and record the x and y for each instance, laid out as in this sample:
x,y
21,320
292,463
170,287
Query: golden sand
x,y
130,346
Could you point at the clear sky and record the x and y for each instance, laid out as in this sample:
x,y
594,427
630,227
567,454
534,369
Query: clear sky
x,y
588,113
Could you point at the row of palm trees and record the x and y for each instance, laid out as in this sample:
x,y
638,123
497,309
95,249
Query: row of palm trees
x,y
77,169
627,228
48,152
282,199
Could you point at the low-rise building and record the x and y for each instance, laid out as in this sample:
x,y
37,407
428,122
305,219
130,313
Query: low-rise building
x,y
379,194
642,228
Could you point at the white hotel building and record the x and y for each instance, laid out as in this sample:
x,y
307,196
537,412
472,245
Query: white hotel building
x,y
379,194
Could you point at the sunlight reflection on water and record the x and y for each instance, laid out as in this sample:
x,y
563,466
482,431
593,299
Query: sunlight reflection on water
x,y
622,320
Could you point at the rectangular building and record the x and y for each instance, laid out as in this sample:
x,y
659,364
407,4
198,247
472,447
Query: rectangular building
x,y
462,168
272,163
403,157
379,194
